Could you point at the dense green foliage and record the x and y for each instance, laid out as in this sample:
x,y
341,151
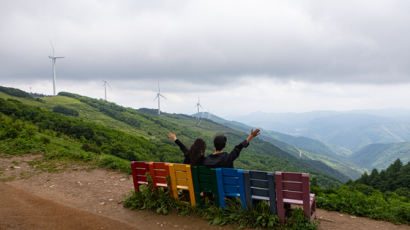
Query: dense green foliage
x,y
380,156
15,92
362,200
94,138
384,195
395,178
19,137
108,108
65,110
162,202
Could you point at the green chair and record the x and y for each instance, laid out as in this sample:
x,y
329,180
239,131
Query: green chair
x,y
205,181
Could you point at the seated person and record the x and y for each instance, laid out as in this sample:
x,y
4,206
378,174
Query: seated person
x,y
221,159
195,154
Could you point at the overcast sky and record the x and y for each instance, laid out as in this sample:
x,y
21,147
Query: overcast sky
x,y
237,56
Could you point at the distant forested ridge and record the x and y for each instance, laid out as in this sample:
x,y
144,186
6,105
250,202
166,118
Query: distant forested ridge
x,y
380,156
382,196
395,178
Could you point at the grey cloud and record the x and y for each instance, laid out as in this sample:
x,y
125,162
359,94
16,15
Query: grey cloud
x,y
208,41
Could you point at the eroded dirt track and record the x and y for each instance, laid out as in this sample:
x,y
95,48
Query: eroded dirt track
x,y
22,210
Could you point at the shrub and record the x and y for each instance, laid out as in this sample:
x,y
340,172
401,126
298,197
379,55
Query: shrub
x,y
64,110
113,162
368,203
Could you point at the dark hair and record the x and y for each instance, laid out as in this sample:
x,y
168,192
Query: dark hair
x,y
196,151
219,142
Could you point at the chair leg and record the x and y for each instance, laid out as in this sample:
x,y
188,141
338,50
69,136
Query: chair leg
x,y
243,202
281,211
313,210
192,197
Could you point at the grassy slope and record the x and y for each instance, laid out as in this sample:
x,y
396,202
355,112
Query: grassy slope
x,y
380,156
260,155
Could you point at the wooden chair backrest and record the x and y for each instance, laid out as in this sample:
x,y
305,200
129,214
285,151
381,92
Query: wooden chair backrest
x,y
139,171
204,179
293,186
230,183
181,173
261,186
159,172
181,178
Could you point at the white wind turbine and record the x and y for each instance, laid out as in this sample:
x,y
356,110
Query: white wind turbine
x,y
198,106
53,61
159,95
199,116
105,89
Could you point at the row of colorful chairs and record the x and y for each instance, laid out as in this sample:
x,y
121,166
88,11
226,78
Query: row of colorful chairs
x,y
278,189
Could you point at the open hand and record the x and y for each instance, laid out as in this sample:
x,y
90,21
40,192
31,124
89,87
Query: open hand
x,y
255,132
172,136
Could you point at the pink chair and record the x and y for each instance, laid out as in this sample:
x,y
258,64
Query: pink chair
x,y
294,188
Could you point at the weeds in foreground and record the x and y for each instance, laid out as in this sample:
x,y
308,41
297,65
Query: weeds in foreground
x,y
162,202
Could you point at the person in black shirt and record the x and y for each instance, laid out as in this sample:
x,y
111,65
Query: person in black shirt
x,y
221,159
195,154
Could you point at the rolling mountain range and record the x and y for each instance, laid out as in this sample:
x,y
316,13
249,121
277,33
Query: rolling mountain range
x,y
349,130
380,156
301,147
366,138
103,122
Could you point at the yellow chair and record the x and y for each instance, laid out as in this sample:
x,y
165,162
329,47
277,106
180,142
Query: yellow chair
x,y
181,178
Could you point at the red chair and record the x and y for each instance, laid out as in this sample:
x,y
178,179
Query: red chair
x,y
294,188
139,170
159,172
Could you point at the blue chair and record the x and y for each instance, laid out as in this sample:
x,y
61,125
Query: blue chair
x,y
260,185
230,183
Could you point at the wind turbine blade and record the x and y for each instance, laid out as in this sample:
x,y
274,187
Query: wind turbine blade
x,y
163,96
155,98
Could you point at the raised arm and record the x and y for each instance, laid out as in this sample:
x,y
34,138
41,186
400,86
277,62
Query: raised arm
x,y
178,142
237,150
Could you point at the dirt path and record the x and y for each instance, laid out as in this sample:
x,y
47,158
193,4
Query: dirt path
x,y
99,194
21,210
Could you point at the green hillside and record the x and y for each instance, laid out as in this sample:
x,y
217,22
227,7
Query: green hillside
x,y
300,147
317,150
100,129
380,156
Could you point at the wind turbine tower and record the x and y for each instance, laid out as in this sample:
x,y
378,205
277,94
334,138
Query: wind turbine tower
x,y
159,95
53,61
105,89
198,106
